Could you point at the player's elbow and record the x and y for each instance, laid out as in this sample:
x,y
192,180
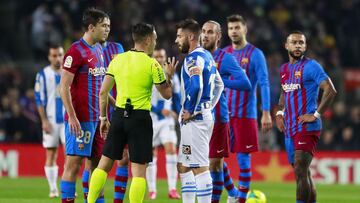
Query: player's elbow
x,y
61,90
332,92
103,93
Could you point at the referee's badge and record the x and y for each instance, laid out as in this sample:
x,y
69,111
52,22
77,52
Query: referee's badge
x,y
186,149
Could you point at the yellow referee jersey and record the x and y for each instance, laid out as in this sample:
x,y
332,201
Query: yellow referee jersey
x,y
135,73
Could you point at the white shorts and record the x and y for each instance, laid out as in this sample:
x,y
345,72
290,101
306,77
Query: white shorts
x,y
164,132
194,144
57,134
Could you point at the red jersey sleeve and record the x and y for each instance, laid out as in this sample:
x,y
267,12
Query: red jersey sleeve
x,y
72,60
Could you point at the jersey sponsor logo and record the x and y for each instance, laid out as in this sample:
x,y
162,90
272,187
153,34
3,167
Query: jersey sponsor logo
x,y
297,74
89,60
68,62
186,149
290,87
97,71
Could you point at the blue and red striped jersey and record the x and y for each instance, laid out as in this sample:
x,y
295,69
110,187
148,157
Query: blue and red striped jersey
x,y
87,64
300,83
242,104
228,67
110,49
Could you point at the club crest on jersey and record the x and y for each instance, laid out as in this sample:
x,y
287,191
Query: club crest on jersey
x,y
186,149
297,74
68,62
244,61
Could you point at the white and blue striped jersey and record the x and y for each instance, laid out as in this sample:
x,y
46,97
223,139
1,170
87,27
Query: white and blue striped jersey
x,y
199,89
158,103
176,106
47,94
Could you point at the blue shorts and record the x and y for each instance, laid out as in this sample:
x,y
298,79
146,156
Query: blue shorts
x,y
290,149
80,146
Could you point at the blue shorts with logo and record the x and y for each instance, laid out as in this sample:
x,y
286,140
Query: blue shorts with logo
x,y
80,146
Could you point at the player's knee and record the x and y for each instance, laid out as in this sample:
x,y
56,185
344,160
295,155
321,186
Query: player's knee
x,y
215,165
181,168
301,171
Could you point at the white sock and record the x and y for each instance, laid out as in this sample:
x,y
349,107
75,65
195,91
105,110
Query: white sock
x,y
204,187
151,175
51,173
171,171
188,187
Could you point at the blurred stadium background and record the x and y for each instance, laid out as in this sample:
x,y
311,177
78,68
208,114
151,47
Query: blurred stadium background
x,y
332,28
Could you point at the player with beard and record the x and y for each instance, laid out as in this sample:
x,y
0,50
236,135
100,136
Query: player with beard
x,y
201,88
243,104
227,67
300,116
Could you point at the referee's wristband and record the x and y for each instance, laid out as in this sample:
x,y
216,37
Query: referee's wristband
x,y
317,115
280,113
102,118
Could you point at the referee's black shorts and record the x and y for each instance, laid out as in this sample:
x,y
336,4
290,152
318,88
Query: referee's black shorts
x,y
136,131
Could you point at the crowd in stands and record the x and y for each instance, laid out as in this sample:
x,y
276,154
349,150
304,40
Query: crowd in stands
x,y
331,27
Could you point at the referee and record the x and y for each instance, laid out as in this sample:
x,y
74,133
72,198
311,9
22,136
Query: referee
x,y
134,74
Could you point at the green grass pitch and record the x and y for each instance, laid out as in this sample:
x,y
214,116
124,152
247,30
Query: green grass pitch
x,y
35,190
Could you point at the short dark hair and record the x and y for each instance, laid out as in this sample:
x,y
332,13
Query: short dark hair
x,y
92,16
295,32
54,46
190,25
235,18
142,30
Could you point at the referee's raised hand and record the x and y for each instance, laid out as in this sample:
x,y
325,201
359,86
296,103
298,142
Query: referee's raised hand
x,y
170,67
